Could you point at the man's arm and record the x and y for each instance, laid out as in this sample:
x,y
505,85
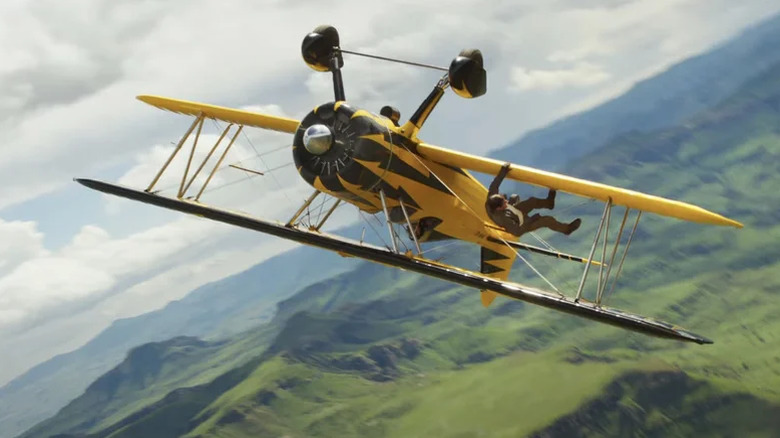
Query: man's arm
x,y
498,179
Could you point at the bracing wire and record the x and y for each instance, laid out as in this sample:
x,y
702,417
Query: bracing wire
x,y
268,168
248,177
439,247
373,229
400,239
542,241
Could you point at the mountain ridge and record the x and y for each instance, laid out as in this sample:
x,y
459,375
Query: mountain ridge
x,y
218,308
659,101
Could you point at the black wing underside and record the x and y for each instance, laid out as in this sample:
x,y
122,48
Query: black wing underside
x,y
373,253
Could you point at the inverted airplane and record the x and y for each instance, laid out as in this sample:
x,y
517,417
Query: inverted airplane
x,y
377,164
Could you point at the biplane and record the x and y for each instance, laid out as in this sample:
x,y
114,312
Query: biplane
x,y
378,164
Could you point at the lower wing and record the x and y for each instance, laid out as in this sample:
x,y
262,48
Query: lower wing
x,y
411,263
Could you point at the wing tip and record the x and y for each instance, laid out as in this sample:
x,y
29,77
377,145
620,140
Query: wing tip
x,y
146,98
723,220
159,102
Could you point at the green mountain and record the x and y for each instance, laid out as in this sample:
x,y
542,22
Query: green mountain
x,y
380,352
661,101
152,370
214,310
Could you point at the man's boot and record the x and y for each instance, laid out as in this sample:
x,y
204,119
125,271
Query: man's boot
x,y
573,225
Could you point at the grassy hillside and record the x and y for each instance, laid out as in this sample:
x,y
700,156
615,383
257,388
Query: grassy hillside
x,y
98,407
147,374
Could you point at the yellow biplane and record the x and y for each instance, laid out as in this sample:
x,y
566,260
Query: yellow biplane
x,y
380,165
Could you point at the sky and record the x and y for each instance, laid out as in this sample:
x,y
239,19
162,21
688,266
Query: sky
x,y
72,261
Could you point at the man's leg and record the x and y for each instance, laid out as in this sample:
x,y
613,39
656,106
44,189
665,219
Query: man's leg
x,y
533,203
536,221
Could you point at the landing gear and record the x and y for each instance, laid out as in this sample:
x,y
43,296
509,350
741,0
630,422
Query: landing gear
x,y
466,74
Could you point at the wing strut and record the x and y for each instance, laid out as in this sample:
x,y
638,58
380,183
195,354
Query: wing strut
x,y
601,289
221,159
387,219
187,180
306,203
593,250
211,152
625,252
604,278
198,121
409,223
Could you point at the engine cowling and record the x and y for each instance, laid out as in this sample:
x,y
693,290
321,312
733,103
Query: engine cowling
x,y
333,146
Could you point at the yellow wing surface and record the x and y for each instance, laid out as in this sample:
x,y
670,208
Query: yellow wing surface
x,y
580,187
241,117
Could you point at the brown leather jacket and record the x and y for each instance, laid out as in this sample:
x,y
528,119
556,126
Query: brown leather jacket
x,y
506,218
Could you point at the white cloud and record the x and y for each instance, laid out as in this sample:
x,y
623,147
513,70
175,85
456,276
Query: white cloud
x,y
581,75
21,241
585,50
56,300
46,282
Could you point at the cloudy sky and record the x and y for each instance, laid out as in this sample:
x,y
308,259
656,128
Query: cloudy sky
x,y
72,261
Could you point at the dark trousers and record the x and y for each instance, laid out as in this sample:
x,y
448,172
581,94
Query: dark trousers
x,y
531,223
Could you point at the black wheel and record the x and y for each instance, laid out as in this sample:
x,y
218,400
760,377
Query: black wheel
x,y
318,47
467,74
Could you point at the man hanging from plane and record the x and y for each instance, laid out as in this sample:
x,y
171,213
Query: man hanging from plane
x,y
513,214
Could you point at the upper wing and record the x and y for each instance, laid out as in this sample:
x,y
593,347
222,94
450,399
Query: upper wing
x,y
241,117
575,186
420,265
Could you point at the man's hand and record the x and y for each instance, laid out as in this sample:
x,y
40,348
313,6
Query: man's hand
x,y
493,189
505,169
